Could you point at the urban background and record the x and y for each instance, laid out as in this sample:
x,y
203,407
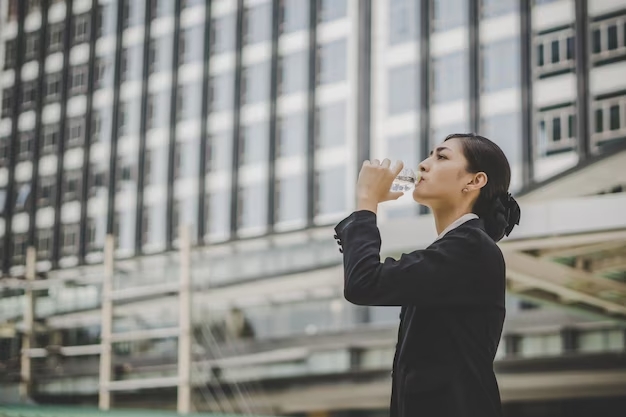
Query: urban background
x,y
171,172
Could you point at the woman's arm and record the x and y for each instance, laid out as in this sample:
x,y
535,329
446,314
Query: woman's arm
x,y
449,272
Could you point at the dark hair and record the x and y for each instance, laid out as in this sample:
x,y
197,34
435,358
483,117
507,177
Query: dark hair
x,y
494,205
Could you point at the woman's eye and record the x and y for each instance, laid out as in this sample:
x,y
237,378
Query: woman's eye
x,y
441,157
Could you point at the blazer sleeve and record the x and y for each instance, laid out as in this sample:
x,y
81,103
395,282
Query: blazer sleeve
x,y
447,273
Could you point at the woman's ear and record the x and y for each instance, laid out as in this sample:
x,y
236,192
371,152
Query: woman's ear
x,y
478,181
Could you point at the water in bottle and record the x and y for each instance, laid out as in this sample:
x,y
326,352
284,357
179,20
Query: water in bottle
x,y
405,181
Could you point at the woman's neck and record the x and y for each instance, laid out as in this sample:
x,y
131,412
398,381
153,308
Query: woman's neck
x,y
445,217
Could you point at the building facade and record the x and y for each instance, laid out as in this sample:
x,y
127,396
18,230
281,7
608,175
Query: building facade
x,y
247,121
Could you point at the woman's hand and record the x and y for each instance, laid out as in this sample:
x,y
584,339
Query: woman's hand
x,y
374,184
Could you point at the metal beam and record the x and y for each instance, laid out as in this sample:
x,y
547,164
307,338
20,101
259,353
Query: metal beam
x,y
106,326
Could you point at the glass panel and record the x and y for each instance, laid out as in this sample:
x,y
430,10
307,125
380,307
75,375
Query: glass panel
x,y
221,92
449,14
223,34
332,62
403,91
331,130
132,63
571,48
253,205
161,54
294,15
293,76
258,23
331,190
189,101
571,121
554,48
192,44
292,132
158,112
256,83
403,21
500,67
612,34
591,341
219,213
449,76
219,151
290,198
614,117
597,41
505,131
404,148
332,9
494,8
540,52
254,143
599,121
556,129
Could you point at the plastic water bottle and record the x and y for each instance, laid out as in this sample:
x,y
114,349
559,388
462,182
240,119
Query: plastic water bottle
x,y
405,181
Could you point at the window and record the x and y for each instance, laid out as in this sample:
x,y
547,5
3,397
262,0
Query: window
x,y
5,146
330,125
12,9
47,188
609,120
33,5
98,180
221,92
69,239
330,191
290,198
32,46
500,65
22,196
255,83
403,21
55,37
292,135
294,15
7,102
403,91
218,203
29,95
44,243
257,23
189,101
103,74
71,185
606,41
160,8
332,62
293,73
19,248
159,54
404,147
223,34
449,14
75,131
78,79
603,340
540,345
555,130
554,52
80,29
252,206
10,54
449,76
506,131
254,145
495,8
50,139
53,87
332,10
191,49
219,152
26,145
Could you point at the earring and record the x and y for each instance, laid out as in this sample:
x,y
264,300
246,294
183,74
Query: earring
x,y
465,190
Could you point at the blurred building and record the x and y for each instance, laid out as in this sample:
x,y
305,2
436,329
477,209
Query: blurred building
x,y
248,121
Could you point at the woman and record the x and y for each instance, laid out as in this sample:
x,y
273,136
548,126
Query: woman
x,y
452,292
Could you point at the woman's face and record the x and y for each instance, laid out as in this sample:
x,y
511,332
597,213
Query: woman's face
x,y
444,175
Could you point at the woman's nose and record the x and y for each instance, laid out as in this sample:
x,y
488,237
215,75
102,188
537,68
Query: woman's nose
x,y
423,166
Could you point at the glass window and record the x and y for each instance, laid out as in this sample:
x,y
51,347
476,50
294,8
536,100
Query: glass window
x,y
50,138
218,213
449,14
293,73
80,29
69,239
404,148
55,37
554,48
330,190
44,243
612,35
7,102
78,79
332,61
331,125
103,73
26,145
191,48
131,63
29,95
221,92
601,340
187,159
290,198
599,121
160,54
540,345
294,15
495,8
161,8
153,231
106,20
450,77
403,21
258,23
253,206
72,185
10,54
75,134
156,164
596,40
158,110
223,34
132,14
614,117
189,101
255,83
540,52
571,48
254,144
32,45
403,91
332,10
500,65
292,135
505,131
52,87
219,151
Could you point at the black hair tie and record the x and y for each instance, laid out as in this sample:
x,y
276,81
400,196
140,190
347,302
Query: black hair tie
x,y
512,212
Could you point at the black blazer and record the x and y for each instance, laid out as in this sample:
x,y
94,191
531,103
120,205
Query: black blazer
x,y
452,298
